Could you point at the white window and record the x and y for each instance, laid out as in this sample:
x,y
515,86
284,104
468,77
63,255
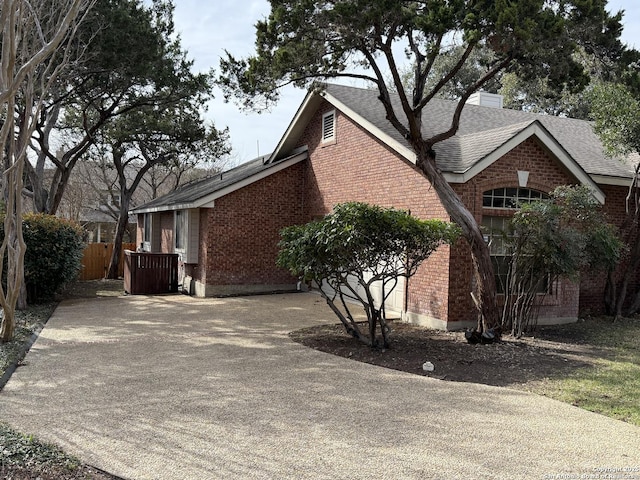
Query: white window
x,y
181,230
146,232
496,228
186,234
511,198
329,126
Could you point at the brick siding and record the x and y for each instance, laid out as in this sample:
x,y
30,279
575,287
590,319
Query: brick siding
x,y
356,167
242,230
545,174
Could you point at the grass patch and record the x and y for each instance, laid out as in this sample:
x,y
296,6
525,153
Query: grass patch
x,y
612,386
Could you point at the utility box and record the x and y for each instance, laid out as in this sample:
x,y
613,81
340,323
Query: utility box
x,y
150,273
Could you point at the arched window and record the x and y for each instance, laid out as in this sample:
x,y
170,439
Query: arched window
x,y
510,197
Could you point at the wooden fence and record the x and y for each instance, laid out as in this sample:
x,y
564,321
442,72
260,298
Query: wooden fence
x,y
95,262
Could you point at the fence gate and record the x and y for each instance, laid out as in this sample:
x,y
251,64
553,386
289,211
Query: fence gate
x,y
96,258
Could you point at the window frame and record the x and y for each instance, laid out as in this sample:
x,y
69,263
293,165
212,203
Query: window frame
x,y
147,229
511,198
180,237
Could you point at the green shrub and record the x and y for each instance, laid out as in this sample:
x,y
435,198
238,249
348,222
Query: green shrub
x,y
367,244
54,254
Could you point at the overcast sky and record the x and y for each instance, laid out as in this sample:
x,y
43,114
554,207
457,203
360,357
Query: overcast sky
x,y
208,28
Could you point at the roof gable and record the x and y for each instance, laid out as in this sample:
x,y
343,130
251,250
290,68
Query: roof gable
x,y
512,138
484,135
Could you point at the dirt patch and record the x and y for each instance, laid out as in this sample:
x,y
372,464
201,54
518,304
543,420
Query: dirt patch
x,y
95,288
511,362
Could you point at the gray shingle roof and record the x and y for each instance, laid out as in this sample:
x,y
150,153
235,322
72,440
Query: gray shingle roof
x,y
191,192
482,130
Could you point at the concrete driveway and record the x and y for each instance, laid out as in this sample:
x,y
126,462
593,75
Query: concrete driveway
x,y
173,387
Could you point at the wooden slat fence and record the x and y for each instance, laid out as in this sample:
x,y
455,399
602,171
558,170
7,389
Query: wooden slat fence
x,y
149,273
95,261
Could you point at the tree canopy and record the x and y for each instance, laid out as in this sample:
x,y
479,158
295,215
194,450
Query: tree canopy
x,y
133,65
616,114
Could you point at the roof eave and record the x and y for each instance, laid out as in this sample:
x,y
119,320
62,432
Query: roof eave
x,y
537,130
309,107
162,208
207,201
611,180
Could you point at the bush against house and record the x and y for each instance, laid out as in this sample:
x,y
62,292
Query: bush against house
x,y
356,246
565,236
53,256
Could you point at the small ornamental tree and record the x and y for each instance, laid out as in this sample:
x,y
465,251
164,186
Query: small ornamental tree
x,y
355,246
549,239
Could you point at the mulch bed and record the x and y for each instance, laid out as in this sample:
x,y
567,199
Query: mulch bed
x,y
509,362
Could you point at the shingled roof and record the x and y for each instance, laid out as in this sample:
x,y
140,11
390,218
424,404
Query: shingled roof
x,y
482,131
485,134
202,193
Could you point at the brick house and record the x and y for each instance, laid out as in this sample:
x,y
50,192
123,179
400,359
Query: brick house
x,y
339,147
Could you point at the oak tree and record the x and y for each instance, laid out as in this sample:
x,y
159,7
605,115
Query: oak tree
x,y
303,41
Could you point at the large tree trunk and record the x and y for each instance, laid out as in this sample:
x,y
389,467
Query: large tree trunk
x,y
485,284
121,226
616,295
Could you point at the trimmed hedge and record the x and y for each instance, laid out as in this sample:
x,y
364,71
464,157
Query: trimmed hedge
x,y
54,254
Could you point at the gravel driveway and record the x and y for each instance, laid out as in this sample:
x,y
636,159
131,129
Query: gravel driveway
x,y
173,387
